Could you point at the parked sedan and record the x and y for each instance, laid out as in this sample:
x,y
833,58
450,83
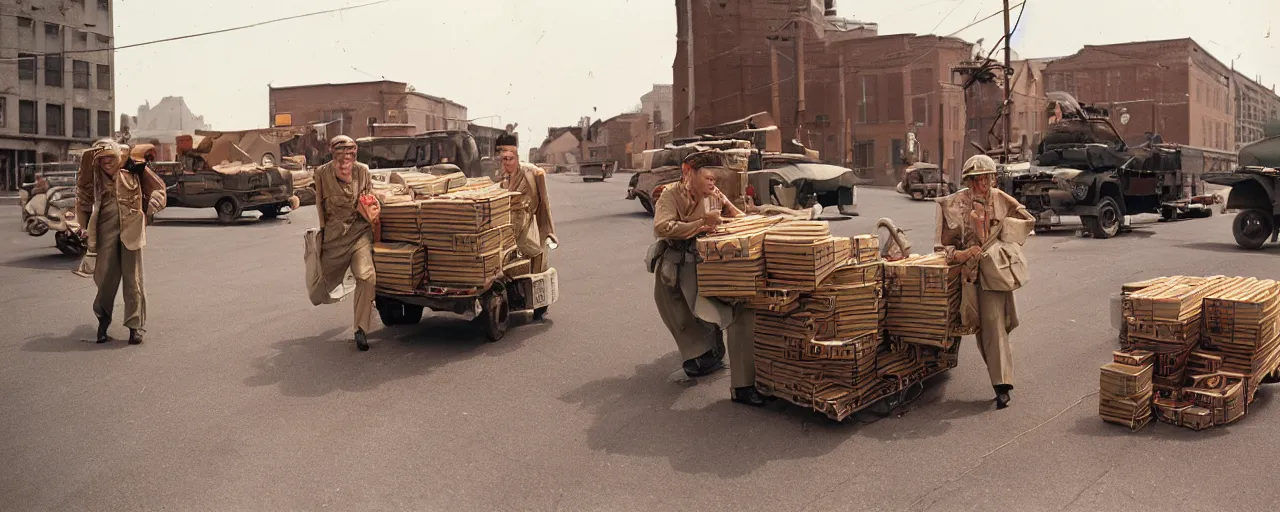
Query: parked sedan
x,y
799,185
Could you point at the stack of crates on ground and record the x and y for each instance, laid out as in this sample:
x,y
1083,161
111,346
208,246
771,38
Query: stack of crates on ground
x,y
1214,340
1124,389
1242,326
463,228
1165,319
1126,290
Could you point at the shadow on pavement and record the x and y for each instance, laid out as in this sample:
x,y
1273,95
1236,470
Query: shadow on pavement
x,y
1226,247
318,365
635,415
81,339
51,261
213,223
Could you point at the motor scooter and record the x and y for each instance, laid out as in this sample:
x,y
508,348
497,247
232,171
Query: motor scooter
x,y
47,209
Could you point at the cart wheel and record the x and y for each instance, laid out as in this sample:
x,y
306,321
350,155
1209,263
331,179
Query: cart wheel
x,y
540,313
494,318
391,312
1271,378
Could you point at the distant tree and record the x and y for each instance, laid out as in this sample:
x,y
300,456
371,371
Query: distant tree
x,y
1272,128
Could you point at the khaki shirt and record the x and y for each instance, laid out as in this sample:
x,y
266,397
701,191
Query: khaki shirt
x,y
677,216
337,203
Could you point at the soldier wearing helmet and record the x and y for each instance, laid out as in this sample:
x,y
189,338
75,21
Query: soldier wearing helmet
x,y
967,221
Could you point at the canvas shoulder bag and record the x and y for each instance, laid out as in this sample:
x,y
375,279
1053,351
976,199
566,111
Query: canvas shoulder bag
x,y
1002,267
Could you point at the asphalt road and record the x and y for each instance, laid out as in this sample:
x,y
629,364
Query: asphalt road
x,y
246,397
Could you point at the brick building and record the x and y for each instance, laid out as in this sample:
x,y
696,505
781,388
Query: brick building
x,y
1173,87
862,92
57,86
359,106
616,138
1255,107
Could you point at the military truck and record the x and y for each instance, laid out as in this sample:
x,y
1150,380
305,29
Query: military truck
x,y
1083,167
455,148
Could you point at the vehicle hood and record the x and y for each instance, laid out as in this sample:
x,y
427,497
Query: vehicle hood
x,y
819,173
1264,153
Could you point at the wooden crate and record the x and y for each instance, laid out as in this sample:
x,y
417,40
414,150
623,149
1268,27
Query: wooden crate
x,y
732,247
449,214
400,223
481,243
845,312
922,300
400,267
422,184
1242,326
731,278
445,268
798,263
866,248
856,273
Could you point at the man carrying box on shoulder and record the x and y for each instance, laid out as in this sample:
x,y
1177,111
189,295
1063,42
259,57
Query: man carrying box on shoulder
x,y
684,211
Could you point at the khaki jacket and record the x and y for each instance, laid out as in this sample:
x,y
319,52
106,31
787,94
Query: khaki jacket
x,y
133,195
531,210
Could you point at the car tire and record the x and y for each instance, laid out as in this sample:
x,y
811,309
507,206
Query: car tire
x,y
270,211
1107,223
495,317
540,313
1252,228
228,210
648,206
390,312
848,210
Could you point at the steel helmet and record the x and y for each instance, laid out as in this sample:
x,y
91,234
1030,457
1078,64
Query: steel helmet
x,y
978,165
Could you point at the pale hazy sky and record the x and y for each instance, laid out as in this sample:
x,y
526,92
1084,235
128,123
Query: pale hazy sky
x,y
548,62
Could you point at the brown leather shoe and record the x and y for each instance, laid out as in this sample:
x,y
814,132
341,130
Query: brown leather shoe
x,y
135,337
748,395
103,337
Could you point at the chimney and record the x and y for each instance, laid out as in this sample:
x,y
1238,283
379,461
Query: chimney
x,y
830,6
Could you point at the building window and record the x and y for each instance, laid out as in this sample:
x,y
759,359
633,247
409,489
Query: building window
x,y
104,5
25,22
920,110
80,74
54,120
4,112
52,30
104,77
27,66
955,117
80,123
105,41
53,70
864,154
104,123
82,39
27,121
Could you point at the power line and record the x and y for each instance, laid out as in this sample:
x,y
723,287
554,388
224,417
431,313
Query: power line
x,y
944,18
201,34
967,27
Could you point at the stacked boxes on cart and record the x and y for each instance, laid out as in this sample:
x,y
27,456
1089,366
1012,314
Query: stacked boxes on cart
x,y
445,230
1206,344
822,335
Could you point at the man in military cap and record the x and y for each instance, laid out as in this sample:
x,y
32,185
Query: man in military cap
x,y
531,211
687,209
347,232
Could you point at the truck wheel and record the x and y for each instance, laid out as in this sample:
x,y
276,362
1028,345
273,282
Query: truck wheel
x,y
495,316
1168,213
270,211
228,210
648,207
540,313
1252,228
391,312
1107,223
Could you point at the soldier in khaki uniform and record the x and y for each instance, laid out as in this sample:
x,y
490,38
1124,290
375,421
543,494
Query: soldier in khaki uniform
x,y
685,210
531,211
347,233
964,223
116,201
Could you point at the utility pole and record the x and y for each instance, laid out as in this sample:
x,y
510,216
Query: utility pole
x,y
773,80
797,38
844,118
1008,98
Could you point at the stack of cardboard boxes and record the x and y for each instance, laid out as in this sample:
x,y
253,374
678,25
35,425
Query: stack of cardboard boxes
x,y
1210,342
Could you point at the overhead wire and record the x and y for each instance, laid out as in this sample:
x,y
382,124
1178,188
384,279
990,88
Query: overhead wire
x,y
201,34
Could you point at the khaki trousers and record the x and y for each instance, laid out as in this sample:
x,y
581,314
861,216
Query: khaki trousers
x,y
116,264
998,319
695,336
366,282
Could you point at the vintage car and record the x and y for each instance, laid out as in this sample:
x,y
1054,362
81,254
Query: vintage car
x,y
923,181
597,171
1255,192
232,186
1084,168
